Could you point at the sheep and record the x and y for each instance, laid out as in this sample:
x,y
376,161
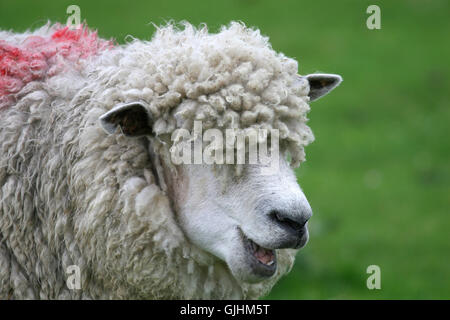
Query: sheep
x,y
87,131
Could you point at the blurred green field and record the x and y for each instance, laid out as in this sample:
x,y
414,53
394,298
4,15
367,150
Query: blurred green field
x,y
378,174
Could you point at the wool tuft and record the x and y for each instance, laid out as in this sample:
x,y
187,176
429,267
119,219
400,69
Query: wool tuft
x,y
36,57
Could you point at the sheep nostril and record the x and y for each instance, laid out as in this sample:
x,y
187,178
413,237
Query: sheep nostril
x,y
284,220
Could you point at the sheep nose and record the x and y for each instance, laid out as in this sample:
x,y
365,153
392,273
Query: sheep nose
x,y
292,222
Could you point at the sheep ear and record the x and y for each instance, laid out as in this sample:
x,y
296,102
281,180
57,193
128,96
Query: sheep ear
x,y
322,83
132,118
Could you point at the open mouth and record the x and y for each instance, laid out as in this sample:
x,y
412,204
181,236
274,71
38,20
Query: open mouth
x,y
262,261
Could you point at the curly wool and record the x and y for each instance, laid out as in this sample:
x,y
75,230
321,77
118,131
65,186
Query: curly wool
x,y
72,195
232,79
26,58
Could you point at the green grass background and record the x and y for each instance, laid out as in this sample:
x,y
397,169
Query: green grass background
x,y
377,175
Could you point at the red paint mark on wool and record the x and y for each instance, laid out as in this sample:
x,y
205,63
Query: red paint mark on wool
x,y
37,57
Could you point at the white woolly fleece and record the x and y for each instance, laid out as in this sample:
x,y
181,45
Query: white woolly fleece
x,y
73,195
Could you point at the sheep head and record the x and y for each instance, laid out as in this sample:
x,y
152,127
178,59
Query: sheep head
x,y
253,223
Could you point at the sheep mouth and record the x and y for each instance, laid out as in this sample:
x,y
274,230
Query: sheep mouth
x,y
262,261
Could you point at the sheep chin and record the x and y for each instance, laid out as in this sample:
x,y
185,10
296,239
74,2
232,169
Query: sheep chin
x,y
247,263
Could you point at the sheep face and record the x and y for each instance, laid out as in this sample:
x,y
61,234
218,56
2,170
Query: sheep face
x,y
247,221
